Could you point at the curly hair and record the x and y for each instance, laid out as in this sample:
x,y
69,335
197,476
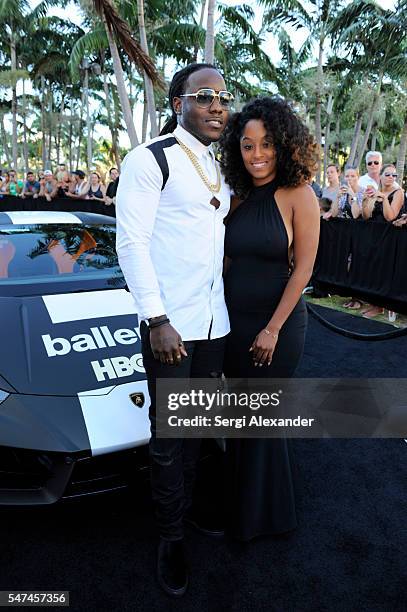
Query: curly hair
x,y
296,151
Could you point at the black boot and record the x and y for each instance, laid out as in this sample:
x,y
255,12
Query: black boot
x,y
206,523
171,567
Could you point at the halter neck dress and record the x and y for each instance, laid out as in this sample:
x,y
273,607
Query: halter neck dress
x,y
261,472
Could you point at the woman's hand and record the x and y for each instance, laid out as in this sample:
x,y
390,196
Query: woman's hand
x,y
263,346
380,196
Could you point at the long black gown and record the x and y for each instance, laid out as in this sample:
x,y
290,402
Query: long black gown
x,y
260,472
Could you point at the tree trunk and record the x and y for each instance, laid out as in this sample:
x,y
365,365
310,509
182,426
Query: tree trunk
x,y
116,123
50,126
327,134
209,55
88,127
401,158
24,114
70,134
148,86
145,121
355,139
337,137
80,129
60,124
373,138
4,140
372,111
319,87
110,121
201,20
121,88
14,102
44,142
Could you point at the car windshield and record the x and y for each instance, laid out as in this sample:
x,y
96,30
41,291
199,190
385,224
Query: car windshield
x,y
50,258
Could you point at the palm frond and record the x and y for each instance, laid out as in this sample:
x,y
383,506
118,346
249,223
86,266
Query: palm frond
x,y
286,11
121,31
9,78
89,43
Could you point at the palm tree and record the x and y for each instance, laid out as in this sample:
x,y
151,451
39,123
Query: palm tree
x,y
290,71
13,16
116,27
210,33
317,21
374,38
148,85
401,158
118,31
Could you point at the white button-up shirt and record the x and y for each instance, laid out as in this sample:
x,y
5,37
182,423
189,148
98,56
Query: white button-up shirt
x,y
170,241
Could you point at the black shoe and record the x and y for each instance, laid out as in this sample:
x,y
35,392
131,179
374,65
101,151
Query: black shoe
x,y
205,524
172,570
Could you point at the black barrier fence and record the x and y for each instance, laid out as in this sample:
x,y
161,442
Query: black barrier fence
x,y
13,203
363,259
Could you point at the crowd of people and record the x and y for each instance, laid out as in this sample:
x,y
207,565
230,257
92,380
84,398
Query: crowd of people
x,y
62,184
374,196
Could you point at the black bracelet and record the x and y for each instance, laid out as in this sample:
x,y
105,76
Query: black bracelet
x,y
158,323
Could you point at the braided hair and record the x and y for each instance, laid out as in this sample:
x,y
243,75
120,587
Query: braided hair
x,y
177,88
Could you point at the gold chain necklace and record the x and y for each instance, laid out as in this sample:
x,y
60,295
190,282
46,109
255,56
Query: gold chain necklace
x,y
213,187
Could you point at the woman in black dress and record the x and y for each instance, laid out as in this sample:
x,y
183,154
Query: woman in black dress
x,y
271,241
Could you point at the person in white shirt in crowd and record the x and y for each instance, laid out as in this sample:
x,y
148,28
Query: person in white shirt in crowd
x,y
333,174
170,207
49,188
374,164
77,187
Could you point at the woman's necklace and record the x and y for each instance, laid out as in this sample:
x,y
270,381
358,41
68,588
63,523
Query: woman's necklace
x,y
213,187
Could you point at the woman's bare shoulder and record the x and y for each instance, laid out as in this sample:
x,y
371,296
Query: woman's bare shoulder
x,y
299,195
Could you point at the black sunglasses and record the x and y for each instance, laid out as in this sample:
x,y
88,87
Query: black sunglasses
x,y
395,175
205,96
376,163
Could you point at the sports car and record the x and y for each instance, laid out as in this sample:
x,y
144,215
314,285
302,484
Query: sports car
x,y
73,395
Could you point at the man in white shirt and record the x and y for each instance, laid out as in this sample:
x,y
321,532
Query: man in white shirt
x,y
170,206
374,164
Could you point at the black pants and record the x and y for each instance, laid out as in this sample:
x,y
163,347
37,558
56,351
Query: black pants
x,y
173,461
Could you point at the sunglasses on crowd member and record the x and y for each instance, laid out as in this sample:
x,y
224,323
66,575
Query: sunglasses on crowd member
x,y
375,162
394,175
205,97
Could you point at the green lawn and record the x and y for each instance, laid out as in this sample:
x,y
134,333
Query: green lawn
x,y
336,302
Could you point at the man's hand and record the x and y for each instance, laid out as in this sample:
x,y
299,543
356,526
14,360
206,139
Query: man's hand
x,y
166,344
